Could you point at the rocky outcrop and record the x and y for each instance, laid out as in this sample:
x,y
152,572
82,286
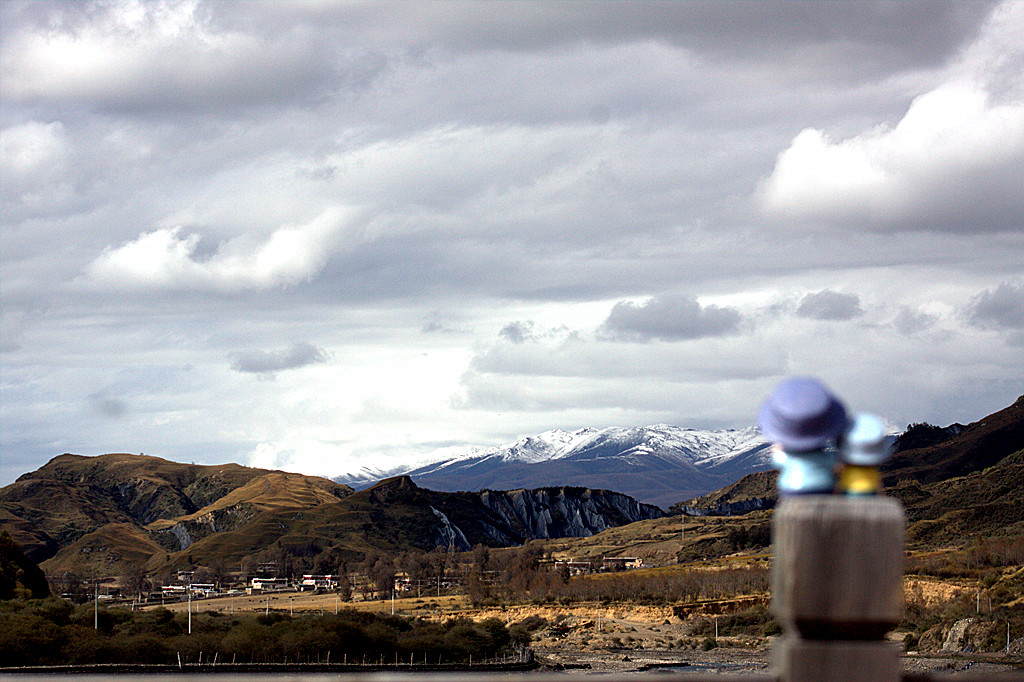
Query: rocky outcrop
x,y
184,532
564,512
449,535
501,518
956,638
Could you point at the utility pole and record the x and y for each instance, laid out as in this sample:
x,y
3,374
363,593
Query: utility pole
x,y
96,604
189,590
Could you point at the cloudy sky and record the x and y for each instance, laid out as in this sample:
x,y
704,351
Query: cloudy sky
x,y
316,236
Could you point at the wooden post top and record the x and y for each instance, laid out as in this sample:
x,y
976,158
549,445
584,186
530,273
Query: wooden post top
x,y
838,566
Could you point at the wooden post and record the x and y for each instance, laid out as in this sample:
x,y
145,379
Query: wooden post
x,y
837,587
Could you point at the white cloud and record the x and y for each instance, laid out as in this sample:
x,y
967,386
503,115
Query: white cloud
x,y
157,55
301,455
31,147
954,161
34,163
164,260
951,152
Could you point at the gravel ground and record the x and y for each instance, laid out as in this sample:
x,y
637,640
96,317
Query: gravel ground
x,y
742,661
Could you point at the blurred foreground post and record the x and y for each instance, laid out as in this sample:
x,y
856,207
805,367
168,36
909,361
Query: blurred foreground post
x,y
837,587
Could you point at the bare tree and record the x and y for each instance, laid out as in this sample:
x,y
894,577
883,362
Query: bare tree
x,y
133,578
344,584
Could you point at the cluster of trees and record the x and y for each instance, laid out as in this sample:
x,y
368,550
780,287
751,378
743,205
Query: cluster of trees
x,y
664,586
756,536
520,575
737,537
18,575
923,435
54,631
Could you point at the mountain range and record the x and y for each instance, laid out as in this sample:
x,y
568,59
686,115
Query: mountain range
x,y
101,513
98,514
655,464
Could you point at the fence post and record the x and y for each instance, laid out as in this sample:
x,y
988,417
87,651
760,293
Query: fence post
x,y
837,587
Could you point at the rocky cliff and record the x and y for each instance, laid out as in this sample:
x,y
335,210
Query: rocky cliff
x,y
500,518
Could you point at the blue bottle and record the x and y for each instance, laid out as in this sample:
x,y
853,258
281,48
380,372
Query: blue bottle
x,y
805,421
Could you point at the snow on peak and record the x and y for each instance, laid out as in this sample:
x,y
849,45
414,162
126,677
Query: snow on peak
x,y
669,442
633,445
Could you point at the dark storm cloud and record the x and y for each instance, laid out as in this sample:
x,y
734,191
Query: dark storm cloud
x,y
829,305
999,308
268,362
668,318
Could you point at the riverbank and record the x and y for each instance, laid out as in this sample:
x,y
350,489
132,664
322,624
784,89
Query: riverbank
x,y
103,669
732,661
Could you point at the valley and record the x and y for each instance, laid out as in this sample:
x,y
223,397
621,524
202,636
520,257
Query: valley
x,y
586,576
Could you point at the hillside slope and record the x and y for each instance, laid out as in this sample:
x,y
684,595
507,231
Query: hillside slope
x,y
982,503
974,447
71,496
959,452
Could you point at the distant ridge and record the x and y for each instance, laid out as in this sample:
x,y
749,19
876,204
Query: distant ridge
x,y
658,464
966,449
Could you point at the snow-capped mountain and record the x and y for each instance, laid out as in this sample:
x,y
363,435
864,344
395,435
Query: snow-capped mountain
x,y
655,464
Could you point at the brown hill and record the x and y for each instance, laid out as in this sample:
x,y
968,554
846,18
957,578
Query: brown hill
x,y
977,446
982,503
71,496
753,491
960,451
101,514
105,551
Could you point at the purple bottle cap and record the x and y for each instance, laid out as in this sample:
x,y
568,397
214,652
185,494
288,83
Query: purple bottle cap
x,y
802,415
